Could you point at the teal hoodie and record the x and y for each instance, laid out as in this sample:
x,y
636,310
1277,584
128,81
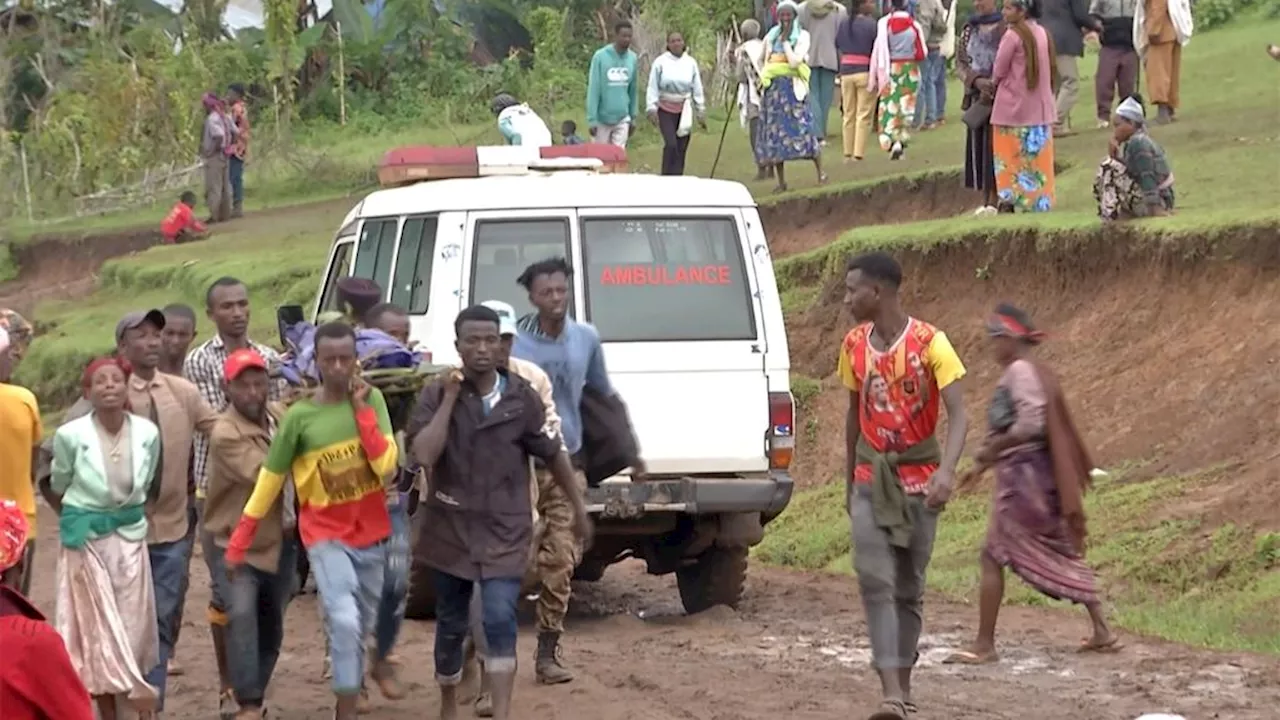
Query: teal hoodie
x,y
612,88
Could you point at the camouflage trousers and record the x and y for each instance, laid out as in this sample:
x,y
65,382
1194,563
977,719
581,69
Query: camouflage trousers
x,y
558,553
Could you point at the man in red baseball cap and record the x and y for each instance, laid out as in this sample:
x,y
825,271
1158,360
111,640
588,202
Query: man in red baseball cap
x,y
259,592
37,679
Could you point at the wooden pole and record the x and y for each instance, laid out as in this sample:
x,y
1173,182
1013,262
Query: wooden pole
x,y
26,181
342,77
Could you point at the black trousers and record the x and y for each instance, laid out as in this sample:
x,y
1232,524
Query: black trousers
x,y
673,148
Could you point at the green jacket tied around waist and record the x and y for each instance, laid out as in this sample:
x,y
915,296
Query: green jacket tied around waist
x,y
888,499
77,526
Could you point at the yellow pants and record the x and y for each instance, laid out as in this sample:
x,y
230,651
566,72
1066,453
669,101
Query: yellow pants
x,y
1164,73
859,103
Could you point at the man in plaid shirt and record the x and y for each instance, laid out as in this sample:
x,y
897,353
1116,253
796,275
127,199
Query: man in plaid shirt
x,y
227,305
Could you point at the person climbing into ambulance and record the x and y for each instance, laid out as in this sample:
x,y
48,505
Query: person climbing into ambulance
x,y
518,123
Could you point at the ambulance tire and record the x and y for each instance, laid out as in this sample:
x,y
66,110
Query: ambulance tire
x,y
716,578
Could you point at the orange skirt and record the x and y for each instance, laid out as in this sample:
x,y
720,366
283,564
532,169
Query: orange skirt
x,y
1024,167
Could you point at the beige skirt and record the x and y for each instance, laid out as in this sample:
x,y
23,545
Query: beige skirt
x,y
106,614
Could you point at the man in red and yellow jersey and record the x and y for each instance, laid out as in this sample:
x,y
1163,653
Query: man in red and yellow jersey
x,y
338,446
900,372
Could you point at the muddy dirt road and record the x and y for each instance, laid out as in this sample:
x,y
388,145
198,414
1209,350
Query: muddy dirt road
x,y
795,650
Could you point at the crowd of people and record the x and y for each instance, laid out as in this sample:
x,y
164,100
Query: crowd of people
x,y
170,446
1017,61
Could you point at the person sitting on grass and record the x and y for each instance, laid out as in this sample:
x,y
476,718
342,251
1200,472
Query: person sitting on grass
x,y
1135,179
569,133
181,225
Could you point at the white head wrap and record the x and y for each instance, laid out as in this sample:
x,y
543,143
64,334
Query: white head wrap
x,y
1132,111
788,5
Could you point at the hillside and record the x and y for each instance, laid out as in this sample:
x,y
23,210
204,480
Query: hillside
x,y
1161,329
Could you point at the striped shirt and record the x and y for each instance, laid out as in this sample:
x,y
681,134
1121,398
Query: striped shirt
x,y
204,367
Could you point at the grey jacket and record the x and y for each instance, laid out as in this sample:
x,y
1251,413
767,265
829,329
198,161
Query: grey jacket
x,y
1066,20
932,16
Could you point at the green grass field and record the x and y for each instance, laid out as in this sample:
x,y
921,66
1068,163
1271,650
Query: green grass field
x,y
1225,151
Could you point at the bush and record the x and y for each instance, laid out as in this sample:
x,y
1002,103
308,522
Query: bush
x,y
1210,14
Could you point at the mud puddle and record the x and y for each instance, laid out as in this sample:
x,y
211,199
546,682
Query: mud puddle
x,y
795,649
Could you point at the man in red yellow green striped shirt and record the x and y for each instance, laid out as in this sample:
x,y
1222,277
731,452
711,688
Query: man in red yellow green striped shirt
x,y
338,446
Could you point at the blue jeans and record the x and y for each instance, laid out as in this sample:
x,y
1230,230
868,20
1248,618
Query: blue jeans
x,y
235,169
349,582
822,92
498,597
395,583
932,105
168,573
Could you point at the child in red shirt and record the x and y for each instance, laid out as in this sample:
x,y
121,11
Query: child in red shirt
x,y
181,225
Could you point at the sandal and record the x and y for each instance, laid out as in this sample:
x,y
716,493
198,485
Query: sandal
x,y
911,707
1110,646
966,657
890,710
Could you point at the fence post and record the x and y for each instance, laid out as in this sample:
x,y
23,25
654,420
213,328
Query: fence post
x,y
26,180
342,77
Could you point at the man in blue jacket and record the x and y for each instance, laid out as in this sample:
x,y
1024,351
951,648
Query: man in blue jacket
x,y
570,353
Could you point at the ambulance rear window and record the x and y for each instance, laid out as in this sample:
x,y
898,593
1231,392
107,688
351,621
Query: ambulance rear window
x,y
659,279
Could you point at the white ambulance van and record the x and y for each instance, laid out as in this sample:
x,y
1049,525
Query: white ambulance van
x,y
676,275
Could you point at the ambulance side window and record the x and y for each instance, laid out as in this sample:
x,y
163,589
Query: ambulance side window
x,y
339,267
502,251
412,288
374,250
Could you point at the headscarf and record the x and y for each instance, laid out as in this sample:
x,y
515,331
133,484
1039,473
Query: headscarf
x,y
772,36
1132,111
14,530
1009,321
86,380
211,102
750,29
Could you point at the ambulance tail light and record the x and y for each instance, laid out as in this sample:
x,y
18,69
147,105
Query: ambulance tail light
x,y
408,165
782,438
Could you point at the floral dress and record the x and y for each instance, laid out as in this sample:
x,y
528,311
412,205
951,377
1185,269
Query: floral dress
x,y
1024,167
787,128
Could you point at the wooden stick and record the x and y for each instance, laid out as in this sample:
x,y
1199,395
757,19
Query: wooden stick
x,y
26,181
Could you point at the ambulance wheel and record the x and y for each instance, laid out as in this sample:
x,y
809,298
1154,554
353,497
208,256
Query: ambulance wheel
x,y
717,577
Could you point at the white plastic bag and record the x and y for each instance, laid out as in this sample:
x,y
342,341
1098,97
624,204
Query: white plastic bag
x,y
686,119
948,47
